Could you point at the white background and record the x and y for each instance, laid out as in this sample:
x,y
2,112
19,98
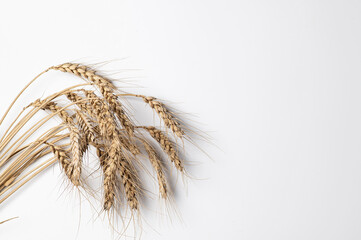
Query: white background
x,y
276,83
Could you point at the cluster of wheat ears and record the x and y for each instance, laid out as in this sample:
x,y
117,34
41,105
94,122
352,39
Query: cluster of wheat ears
x,y
92,117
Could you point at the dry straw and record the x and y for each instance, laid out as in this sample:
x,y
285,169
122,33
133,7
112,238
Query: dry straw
x,y
93,117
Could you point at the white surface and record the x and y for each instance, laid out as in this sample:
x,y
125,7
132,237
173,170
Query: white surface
x,y
278,83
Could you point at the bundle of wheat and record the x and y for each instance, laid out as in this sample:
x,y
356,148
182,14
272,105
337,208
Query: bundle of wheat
x,y
93,117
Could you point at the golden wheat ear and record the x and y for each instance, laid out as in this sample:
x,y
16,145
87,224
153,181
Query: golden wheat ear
x,y
92,116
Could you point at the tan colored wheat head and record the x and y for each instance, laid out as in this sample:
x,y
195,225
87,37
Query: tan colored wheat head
x,y
93,117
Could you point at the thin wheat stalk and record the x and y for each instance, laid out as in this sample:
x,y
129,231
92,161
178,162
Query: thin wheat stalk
x,y
21,124
34,111
19,160
27,177
8,220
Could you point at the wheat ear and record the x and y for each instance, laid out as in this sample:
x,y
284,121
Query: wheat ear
x,y
167,145
62,158
168,118
157,165
106,88
110,169
127,175
75,165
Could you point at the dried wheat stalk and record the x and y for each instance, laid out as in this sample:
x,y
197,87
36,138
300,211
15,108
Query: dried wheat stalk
x,y
88,120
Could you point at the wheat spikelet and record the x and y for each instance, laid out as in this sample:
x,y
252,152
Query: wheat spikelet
x,y
127,175
169,120
106,122
74,169
106,88
92,98
86,125
78,100
128,144
157,165
85,105
167,145
103,115
83,144
116,159
109,169
84,72
118,110
62,157
52,106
